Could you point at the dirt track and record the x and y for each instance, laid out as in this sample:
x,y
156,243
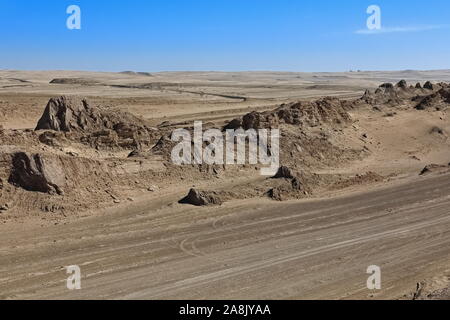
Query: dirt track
x,y
249,249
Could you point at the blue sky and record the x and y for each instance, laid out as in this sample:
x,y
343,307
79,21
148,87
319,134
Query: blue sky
x,y
228,35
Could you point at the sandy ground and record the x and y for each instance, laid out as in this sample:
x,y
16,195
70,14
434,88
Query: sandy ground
x,y
153,248
246,250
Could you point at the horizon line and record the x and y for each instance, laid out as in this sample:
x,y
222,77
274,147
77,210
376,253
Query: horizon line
x,y
224,71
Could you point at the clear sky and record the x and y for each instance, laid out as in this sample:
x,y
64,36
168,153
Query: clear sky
x,y
228,35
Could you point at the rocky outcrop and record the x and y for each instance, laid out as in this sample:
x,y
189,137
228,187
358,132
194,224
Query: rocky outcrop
x,y
293,190
402,84
429,96
96,126
294,185
428,85
387,86
233,125
52,138
76,114
35,172
201,198
76,81
67,114
284,172
438,100
308,114
384,94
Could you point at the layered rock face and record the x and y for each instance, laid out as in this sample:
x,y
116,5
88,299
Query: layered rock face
x,y
35,172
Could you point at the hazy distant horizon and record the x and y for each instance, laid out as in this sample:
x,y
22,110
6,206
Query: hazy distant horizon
x,y
219,71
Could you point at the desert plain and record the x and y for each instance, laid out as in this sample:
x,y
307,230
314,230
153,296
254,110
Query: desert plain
x,y
86,179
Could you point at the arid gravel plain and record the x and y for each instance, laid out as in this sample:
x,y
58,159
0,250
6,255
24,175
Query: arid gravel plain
x,y
86,179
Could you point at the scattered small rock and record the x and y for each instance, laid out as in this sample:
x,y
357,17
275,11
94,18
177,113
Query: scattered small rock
x,y
153,188
434,168
201,198
437,130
